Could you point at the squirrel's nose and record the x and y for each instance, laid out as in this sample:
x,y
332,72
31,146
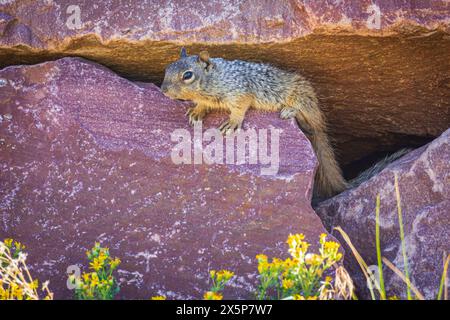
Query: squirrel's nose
x,y
164,88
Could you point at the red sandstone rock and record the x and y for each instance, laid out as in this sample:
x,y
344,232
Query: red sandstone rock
x,y
47,24
85,156
424,183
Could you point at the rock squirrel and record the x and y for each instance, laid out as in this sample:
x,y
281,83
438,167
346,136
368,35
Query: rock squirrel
x,y
236,86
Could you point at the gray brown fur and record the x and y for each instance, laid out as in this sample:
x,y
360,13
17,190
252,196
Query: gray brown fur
x,y
236,86
377,167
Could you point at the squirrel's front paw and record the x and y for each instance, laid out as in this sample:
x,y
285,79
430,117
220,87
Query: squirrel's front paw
x,y
195,115
229,127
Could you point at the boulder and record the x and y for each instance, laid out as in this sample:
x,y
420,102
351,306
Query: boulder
x,y
49,24
424,184
375,64
86,156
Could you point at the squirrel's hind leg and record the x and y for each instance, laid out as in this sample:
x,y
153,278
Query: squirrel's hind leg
x,y
288,113
304,125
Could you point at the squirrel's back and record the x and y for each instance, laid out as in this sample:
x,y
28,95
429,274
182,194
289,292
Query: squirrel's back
x,y
268,85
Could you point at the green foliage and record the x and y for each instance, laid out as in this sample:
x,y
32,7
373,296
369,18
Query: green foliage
x,y
382,292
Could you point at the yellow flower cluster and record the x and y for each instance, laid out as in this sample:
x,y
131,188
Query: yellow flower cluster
x,y
264,266
222,275
300,275
219,280
15,247
300,297
297,247
13,292
210,295
287,283
99,284
100,262
158,298
15,279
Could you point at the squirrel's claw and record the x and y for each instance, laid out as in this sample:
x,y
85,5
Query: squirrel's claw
x,y
194,116
229,127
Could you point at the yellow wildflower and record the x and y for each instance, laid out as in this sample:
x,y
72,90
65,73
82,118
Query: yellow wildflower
x,y
19,246
287,283
86,277
102,257
18,293
331,246
277,262
114,263
94,279
261,257
313,259
158,298
224,275
275,265
300,297
263,266
209,295
34,285
295,239
290,263
8,242
96,264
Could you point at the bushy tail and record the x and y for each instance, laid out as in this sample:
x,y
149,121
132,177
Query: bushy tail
x,y
377,168
329,180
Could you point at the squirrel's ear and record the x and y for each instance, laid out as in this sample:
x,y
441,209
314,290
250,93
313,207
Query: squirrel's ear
x,y
204,57
183,53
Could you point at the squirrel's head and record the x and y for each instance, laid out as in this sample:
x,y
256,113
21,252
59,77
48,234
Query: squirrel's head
x,y
184,77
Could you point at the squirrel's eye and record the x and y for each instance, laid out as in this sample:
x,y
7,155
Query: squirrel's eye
x,y
188,75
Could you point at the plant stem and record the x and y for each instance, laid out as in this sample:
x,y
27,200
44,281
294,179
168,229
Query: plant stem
x,y
377,238
402,235
444,278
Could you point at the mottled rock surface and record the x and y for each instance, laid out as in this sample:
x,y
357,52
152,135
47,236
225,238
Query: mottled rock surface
x,y
213,21
85,156
375,64
424,183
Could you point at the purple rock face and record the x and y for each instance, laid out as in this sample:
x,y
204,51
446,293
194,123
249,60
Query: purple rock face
x,y
214,21
424,183
86,156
